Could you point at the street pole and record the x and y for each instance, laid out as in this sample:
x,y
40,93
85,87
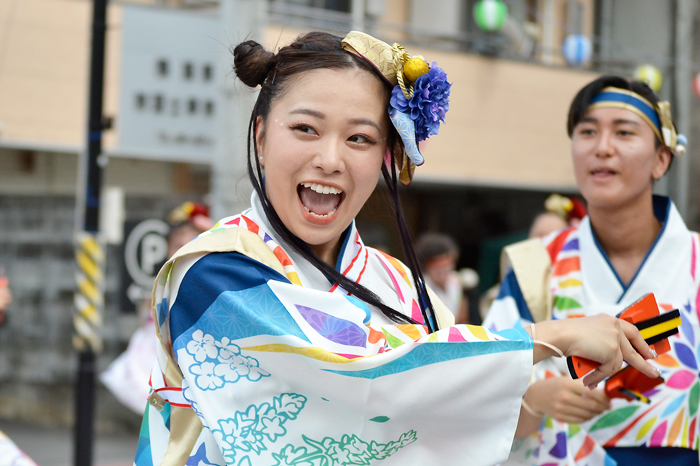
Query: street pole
x,y
230,188
606,37
358,15
89,297
683,85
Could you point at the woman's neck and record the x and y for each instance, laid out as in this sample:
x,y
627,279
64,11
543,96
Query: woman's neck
x,y
626,234
327,252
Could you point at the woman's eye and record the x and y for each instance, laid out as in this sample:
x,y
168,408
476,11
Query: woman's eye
x,y
586,131
360,139
304,129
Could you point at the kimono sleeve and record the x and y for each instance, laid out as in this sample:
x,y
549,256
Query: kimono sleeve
x,y
509,309
280,374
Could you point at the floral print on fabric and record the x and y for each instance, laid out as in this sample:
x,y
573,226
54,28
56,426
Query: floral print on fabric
x,y
251,430
349,451
220,362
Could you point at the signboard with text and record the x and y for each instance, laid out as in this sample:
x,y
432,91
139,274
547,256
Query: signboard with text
x,y
168,84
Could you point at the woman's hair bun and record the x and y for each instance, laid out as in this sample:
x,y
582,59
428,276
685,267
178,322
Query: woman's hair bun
x,y
252,62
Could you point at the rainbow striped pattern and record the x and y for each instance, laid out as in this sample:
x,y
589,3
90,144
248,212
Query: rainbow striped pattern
x,y
583,283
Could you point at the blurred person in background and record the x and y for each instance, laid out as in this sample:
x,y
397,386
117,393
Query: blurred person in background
x,y
631,243
560,212
10,454
5,296
437,255
127,376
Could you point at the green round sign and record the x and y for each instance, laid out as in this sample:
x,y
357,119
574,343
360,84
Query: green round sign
x,y
490,15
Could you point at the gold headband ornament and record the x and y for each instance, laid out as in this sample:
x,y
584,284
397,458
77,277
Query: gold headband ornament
x,y
420,97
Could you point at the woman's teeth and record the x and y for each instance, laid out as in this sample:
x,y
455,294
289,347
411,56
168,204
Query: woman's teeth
x,y
321,216
321,189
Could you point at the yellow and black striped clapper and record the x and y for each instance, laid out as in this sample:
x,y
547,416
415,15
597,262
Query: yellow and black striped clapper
x,y
653,330
660,327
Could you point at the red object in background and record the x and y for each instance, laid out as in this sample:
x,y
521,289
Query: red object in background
x,y
188,212
578,210
696,84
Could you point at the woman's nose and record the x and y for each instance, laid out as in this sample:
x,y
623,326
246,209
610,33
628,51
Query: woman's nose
x,y
330,157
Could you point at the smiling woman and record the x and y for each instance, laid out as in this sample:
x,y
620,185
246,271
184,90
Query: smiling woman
x,y
286,341
322,153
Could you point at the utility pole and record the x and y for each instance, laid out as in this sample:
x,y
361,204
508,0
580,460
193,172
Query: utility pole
x,y
89,297
683,85
358,15
240,20
605,50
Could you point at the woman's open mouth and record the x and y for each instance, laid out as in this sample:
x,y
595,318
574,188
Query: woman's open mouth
x,y
603,173
320,201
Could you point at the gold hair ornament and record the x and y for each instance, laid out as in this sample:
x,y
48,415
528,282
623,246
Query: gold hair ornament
x,y
402,71
674,141
392,61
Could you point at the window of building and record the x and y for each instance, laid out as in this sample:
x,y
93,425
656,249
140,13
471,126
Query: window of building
x,y
207,72
192,106
158,103
209,108
162,68
188,71
140,101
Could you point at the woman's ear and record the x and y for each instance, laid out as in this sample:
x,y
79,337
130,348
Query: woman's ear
x,y
663,161
260,139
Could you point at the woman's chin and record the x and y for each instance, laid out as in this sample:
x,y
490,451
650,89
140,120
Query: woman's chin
x,y
318,232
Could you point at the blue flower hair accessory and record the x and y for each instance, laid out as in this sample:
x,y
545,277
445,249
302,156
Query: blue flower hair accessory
x,y
420,97
428,104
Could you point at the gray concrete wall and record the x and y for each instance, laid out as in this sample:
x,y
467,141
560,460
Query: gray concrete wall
x,y
37,205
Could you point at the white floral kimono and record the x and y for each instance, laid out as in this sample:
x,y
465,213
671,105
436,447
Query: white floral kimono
x,y
584,283
272,364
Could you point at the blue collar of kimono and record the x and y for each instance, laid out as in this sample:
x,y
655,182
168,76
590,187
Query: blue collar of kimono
x,y
661,206
344,239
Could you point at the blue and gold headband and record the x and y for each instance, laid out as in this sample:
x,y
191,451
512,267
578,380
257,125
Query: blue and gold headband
x,y
657,117
420,97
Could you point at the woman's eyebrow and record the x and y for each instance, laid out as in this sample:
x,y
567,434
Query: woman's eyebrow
x,y
364,121
308,111
322,116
